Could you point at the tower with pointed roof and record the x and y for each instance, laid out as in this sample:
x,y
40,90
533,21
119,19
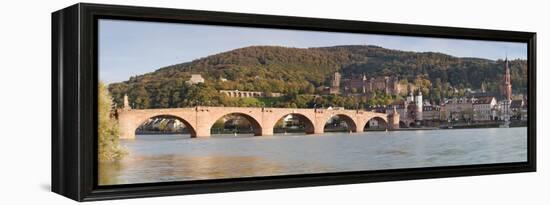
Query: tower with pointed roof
x,y
506,84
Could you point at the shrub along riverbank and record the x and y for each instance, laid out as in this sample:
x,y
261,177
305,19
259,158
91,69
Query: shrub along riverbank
x,y
109,148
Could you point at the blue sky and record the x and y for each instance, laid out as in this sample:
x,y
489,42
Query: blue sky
x,y
129,48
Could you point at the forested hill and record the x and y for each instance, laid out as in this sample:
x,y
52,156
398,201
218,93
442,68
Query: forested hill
x,y
304,71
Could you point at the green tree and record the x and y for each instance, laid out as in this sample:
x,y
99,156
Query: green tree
x,y
109,148
249,102
219,124
140,97
296,71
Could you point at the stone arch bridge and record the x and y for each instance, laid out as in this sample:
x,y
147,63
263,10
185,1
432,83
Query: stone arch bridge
x,y
199,120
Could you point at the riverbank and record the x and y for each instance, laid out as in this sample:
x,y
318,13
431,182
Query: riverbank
x,y
484,125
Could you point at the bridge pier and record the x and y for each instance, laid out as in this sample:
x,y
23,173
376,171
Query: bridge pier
x,y
127,133
202,132
266,131
319,129
127,125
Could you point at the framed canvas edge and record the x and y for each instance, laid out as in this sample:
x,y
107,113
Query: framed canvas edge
x,y
74,85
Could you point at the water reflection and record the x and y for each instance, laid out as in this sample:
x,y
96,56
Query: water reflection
x,y
161,158
142,169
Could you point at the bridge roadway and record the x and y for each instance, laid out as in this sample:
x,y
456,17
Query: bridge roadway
x,y
199,120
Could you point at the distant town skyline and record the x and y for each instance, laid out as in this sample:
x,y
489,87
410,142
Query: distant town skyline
x,y
129,48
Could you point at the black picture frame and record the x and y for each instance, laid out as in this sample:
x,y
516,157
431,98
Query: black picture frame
x,y
74,101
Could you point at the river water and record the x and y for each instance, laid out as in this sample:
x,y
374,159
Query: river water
x,y
161,158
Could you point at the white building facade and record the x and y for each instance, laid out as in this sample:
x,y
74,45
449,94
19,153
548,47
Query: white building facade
x,y
483,108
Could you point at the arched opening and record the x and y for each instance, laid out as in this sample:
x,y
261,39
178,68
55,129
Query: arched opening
x,y
402,124
412,124
236,124
340,123
294,123
376,124
165,125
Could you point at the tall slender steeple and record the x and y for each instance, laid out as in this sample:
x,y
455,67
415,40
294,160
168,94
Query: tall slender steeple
x,y
506,84
507,72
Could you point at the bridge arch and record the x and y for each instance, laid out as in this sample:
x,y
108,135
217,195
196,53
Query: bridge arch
x,y
254,123
144,119
309,126
350,122
375,123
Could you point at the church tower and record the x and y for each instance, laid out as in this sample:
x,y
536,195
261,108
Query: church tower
x,y
506,84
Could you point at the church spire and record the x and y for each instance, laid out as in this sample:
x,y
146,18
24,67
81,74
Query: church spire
x,y
506,84
507,72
